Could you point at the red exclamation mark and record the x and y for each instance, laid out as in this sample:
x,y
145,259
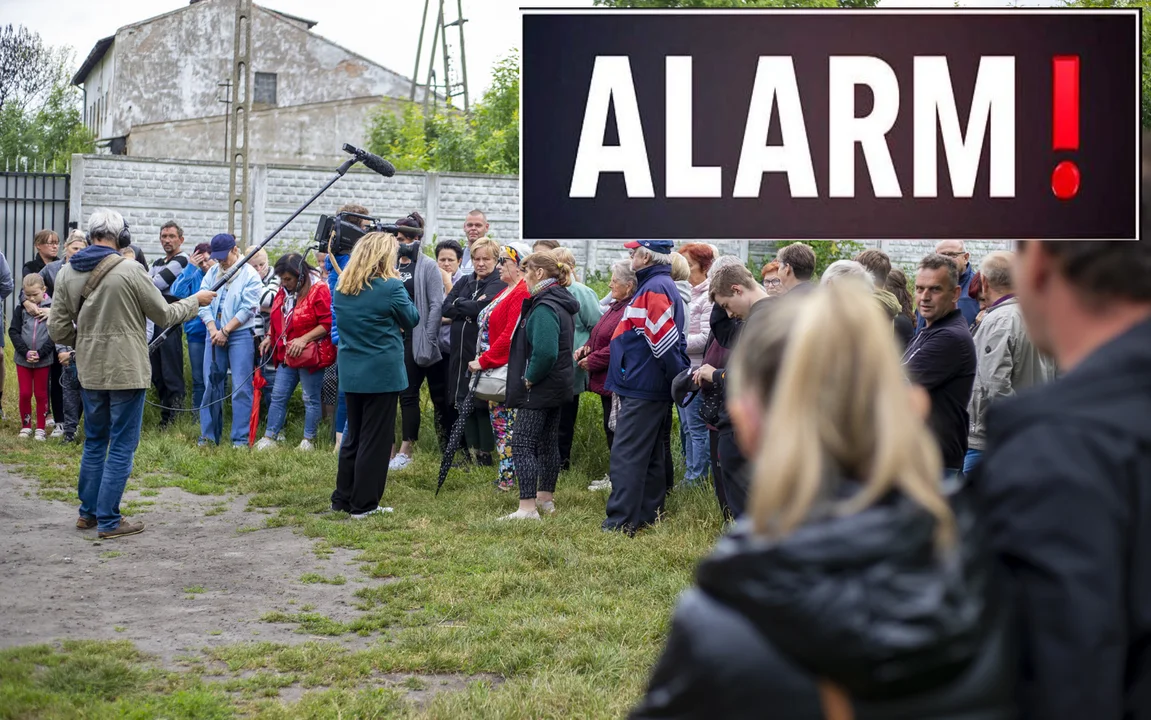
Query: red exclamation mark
x,y
1065,123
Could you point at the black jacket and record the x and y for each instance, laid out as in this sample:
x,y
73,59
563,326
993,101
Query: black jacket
x,y
555,390
941,359
1065,484
863,601
463,305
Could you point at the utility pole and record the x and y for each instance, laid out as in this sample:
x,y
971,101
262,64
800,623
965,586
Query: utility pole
x,y
238,140
451,87
227,100
419,50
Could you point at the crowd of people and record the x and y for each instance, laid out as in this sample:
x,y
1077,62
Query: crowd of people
x,y
905,536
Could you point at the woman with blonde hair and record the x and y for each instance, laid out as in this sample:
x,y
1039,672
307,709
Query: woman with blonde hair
x,y
854,587
374,309
540,371
497,322
462,307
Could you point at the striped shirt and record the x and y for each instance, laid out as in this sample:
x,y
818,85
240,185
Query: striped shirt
x,y
164,273
267,295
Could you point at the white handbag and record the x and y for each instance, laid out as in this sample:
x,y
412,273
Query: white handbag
x,y
493,384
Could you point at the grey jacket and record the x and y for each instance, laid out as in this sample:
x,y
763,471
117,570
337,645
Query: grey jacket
x,y
1007,362
429,299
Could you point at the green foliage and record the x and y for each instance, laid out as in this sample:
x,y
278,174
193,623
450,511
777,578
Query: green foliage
x,y
486,141
826,252
1146,6
40,118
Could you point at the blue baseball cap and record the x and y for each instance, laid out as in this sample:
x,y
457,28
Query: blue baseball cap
x,y
664,247
222,244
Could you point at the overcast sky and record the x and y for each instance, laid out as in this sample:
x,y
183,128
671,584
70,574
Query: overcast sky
x,y
385,31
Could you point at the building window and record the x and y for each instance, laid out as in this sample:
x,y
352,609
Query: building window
x,y
265,87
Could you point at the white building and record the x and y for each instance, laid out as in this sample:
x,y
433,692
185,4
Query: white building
x,y
153,88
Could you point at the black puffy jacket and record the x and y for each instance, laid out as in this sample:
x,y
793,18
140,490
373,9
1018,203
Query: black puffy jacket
x,y
861,601
555,390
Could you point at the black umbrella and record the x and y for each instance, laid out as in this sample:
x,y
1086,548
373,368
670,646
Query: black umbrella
x,y
456,436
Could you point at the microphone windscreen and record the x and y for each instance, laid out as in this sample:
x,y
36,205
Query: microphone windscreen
x,y
377,163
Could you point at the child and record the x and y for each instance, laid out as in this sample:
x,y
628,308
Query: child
x,y
33,352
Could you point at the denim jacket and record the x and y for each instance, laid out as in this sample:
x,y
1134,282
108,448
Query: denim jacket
x,y
240,298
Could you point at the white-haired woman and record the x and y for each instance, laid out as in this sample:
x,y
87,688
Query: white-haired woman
x,y
594,356
856,587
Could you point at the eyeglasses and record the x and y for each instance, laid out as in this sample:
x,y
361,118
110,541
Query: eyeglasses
x,y
953,254
502,260
773,282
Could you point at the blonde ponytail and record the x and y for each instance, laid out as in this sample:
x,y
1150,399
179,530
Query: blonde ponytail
x,y
827,372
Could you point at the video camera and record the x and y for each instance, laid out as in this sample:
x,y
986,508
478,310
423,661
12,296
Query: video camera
x,y
339,233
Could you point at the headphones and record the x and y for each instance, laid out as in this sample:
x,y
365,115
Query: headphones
x,y
123,240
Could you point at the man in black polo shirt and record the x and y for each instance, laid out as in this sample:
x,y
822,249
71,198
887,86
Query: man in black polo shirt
x,y
941,358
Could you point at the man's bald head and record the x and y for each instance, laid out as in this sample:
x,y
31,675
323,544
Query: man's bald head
x,y
955,250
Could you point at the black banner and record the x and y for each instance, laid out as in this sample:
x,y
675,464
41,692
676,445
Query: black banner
x,y
830,125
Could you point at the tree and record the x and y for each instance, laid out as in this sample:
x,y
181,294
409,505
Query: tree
x,y
1146,74
826,252
486,141
40,117
737,3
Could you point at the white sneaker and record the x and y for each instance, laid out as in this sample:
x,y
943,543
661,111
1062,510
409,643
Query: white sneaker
x,y
281,437
547,508
305,445
49,422
603,483
377,511
41,436
521,515
58,431
265,443
399,462
25,433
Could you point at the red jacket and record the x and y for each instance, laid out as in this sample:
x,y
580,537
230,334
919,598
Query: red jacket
x,y
599,342
313,309
501,324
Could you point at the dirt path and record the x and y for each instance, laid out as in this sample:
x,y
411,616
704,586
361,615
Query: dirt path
x,y
58,582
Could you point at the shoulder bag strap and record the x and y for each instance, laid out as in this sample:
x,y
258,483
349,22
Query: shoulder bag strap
x,y
97,276
836,704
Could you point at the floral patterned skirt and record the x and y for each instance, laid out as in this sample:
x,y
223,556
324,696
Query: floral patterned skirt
x,y
502,420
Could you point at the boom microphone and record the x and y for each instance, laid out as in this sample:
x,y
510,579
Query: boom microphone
x,y
370,161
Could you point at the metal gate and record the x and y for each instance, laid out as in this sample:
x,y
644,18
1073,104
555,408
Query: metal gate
x,y
31,202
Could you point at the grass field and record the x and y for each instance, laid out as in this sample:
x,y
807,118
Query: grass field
x,y
566,619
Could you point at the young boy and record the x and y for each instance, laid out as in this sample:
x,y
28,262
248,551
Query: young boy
x,y
33,352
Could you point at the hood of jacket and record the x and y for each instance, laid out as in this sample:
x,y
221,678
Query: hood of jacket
x,y
558,297
864,600
889,302
87,259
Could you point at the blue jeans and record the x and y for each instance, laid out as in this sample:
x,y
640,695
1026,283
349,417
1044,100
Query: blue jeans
x,y
112,420
341,413
239,356
286,380
970,460
697,449
196,360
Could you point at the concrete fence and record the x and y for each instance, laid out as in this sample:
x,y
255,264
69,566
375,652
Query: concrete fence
x,y
149,192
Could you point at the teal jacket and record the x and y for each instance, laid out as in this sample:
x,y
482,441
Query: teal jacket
x,y
589,314
371,351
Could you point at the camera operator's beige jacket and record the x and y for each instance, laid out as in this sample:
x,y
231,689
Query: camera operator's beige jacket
x,y
109,332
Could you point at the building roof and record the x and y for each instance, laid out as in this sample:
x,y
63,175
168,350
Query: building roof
x,y
94,57
103,44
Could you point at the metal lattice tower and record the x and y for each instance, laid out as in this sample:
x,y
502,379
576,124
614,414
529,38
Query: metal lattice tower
x,y
238,111
454,83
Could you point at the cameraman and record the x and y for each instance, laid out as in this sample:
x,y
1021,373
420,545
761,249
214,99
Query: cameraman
x,y
336,258
113,362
